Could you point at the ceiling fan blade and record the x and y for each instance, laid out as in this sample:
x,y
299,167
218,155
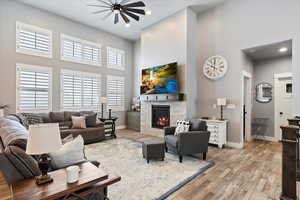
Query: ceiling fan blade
x,y
139,11
137,18
125,18
124,1
135,4
99,6
116,18
104,2
101,11
107,15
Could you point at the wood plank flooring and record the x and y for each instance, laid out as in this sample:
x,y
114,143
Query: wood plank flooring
x,y
252,173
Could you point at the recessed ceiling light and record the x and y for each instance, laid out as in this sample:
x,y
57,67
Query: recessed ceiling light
x,y
283,49
148,12
127,25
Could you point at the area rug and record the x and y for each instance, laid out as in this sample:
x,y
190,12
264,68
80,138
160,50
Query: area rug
x,y
139,180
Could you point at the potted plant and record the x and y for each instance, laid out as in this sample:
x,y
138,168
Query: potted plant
x,y
2,108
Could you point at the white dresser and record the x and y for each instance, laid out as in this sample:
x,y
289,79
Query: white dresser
x,y
218,132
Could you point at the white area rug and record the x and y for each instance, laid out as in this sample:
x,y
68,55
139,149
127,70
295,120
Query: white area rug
x,y
139,180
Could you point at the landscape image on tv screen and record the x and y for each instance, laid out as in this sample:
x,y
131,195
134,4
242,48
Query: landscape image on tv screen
x,y
160,79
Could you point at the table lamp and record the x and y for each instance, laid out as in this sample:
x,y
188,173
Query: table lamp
x,y
221,102
43,139
103,101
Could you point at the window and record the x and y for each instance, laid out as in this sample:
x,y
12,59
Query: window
x,y
115,58
33,88
80,90
33,40
80,51
115,93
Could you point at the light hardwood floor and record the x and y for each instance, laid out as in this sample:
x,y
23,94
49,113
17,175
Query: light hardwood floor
x,y
252,173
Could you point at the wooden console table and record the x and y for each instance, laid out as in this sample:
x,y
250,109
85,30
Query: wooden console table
x,y
91,179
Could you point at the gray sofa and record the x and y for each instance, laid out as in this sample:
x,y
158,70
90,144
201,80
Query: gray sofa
x,y
193,142
15,164
92,134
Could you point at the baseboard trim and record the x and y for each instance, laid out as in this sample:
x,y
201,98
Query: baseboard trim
x,y
121,127
235,145
266,138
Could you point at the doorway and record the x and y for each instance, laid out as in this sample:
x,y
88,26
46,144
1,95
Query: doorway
x,y
247,106
283,93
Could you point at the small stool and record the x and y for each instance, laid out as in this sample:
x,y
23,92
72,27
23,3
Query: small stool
x,y
153,149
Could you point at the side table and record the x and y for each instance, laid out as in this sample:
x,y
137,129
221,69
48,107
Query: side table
x,y
91,180
110,125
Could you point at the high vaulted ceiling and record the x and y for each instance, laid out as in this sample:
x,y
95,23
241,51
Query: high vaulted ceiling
x,y
78,11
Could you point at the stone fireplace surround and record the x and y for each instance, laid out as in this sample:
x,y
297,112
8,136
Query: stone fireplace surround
x,y
178,111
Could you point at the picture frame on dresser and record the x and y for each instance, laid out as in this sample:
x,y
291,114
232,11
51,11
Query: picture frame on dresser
x,y
218,131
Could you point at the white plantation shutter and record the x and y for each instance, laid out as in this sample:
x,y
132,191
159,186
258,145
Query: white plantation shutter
x,y
115,58
80,90
115,93
33,88
91,91
80,51
33,40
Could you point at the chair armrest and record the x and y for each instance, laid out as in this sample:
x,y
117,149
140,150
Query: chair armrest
x,y
169,130
193,142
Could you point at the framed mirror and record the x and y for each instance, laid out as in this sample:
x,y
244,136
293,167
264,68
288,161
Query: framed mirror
x,y
264,92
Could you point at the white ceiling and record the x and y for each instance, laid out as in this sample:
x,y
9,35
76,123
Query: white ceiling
x,y
270,51
78,11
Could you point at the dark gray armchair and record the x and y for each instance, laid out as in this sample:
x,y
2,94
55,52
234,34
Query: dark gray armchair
x,y
193,142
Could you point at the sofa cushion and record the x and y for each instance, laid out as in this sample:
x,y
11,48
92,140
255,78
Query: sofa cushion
x,y
71,153
11,130
65,125
25,164
68,115
78,122
197,125
91,120
172,140
11,174
57,116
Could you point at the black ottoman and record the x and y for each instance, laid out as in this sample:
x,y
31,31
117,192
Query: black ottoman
x,y
153,149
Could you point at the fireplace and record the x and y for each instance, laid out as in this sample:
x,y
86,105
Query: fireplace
x,y
160,116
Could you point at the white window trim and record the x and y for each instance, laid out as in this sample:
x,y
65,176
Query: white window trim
x,y
82,74
122,107
36,69
33,52
116,67
64,36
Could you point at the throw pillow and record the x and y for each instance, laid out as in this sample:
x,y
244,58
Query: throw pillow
x,y
182,127
26,165
71,153
91,120
78,122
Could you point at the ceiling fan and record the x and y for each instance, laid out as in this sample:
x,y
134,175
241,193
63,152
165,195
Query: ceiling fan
x,y
120,7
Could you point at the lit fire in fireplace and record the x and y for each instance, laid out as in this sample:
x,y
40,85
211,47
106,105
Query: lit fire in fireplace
x,y
163,121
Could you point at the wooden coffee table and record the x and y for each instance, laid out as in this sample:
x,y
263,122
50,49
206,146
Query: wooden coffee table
x,y
91,179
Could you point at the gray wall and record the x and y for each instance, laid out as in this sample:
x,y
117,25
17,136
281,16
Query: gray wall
x,y
11,11
137,68
264,72
237,25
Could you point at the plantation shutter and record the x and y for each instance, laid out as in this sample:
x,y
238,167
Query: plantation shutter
x,y
71,90
115,58
115,93
33,40
77,50
33,88
91,91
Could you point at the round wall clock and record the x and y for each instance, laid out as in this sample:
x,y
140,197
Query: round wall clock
x,y
215,67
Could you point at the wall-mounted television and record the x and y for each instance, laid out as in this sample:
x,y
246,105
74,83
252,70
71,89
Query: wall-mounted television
x,y
160,79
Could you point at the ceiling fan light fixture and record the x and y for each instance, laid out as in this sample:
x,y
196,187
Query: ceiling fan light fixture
x,y
148,12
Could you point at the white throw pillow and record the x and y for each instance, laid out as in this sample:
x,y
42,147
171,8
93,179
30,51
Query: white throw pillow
x,y
182,127
71,153
78,122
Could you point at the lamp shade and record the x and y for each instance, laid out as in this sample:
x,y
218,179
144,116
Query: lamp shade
x,y
43,139
103,100
221,101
